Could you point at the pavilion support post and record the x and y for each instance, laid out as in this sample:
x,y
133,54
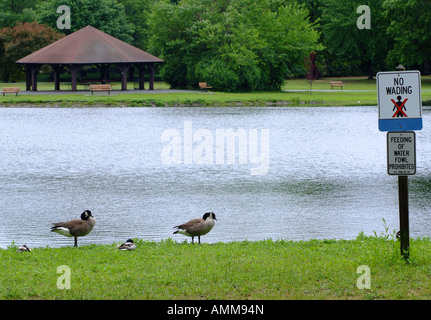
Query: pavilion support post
x,y
34,70
104,72
56,68
108,74
151,71
124,68
131,74
27,77
73,69
141,69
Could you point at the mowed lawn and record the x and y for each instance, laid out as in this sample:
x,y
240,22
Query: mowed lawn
x,y
364,268
358,91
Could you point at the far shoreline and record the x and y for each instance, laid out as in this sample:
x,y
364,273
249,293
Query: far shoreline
x,y
261,104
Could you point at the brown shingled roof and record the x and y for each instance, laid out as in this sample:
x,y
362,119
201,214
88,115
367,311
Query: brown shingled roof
x,y
87,46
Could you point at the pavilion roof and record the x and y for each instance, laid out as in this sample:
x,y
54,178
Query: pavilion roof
x,y
89,46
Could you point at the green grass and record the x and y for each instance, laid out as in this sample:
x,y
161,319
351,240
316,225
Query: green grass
x,y
316,269
334,97
351,83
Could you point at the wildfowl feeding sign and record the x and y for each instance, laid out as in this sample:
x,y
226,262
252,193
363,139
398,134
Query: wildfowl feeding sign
x,y
401,153
399,100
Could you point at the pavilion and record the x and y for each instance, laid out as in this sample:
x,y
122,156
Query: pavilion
x,y
89,46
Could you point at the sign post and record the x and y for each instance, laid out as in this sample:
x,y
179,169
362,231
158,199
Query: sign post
x,y
402,162
400,110
403,196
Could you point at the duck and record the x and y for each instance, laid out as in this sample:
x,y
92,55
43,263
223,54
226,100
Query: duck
x,y
128,245
197,227
76,228
23,248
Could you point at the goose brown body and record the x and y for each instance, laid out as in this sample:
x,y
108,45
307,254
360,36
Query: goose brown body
x,y
76,228
197,227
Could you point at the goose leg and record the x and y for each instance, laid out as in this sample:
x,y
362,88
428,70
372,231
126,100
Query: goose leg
x,y
199,238
76,242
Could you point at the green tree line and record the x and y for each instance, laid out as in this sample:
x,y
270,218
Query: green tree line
x,y
235,45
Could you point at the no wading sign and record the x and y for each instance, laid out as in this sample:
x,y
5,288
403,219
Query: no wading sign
x,y
399,100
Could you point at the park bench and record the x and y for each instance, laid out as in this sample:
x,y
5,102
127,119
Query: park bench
x,y
100,87
336,84
10,90
203,85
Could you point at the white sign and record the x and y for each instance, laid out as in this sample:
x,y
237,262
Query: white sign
x,y
399,100
401,153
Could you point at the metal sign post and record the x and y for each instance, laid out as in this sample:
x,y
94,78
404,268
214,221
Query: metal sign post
x,y
400,109
402,162
403,196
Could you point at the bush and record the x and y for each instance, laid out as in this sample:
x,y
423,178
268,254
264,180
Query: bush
x,y
224,44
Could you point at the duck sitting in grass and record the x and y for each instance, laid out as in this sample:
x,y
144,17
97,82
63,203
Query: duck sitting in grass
x,y
129,245
23,248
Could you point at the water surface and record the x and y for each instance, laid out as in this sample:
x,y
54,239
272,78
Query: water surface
x,y
327,174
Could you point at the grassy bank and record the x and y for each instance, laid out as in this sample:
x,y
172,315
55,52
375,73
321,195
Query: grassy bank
x,y
363,94
195,99
317,269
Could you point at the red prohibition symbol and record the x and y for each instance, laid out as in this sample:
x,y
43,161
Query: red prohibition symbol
x,y
399,106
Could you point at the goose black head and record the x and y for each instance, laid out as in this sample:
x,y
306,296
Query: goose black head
x,y
209,214
85,215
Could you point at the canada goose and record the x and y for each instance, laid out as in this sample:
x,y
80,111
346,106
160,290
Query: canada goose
x,y
23,248
128,245
197,227
76,228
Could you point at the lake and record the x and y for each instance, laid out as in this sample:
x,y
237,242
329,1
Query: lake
x,y
266,172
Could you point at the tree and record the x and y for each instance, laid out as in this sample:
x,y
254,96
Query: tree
x,y
14,11
105,15
137,13
349,47
20,41
235,45
312,71
410,27
364,48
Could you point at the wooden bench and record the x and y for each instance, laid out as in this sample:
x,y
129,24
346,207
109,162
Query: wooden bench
x,y
336,84
203,85
10,90
100,87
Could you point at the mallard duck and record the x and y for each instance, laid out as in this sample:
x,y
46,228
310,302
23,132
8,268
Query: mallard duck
x,y
128,245
23,248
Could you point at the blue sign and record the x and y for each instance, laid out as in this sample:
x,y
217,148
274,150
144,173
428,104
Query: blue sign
x,y
406,124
